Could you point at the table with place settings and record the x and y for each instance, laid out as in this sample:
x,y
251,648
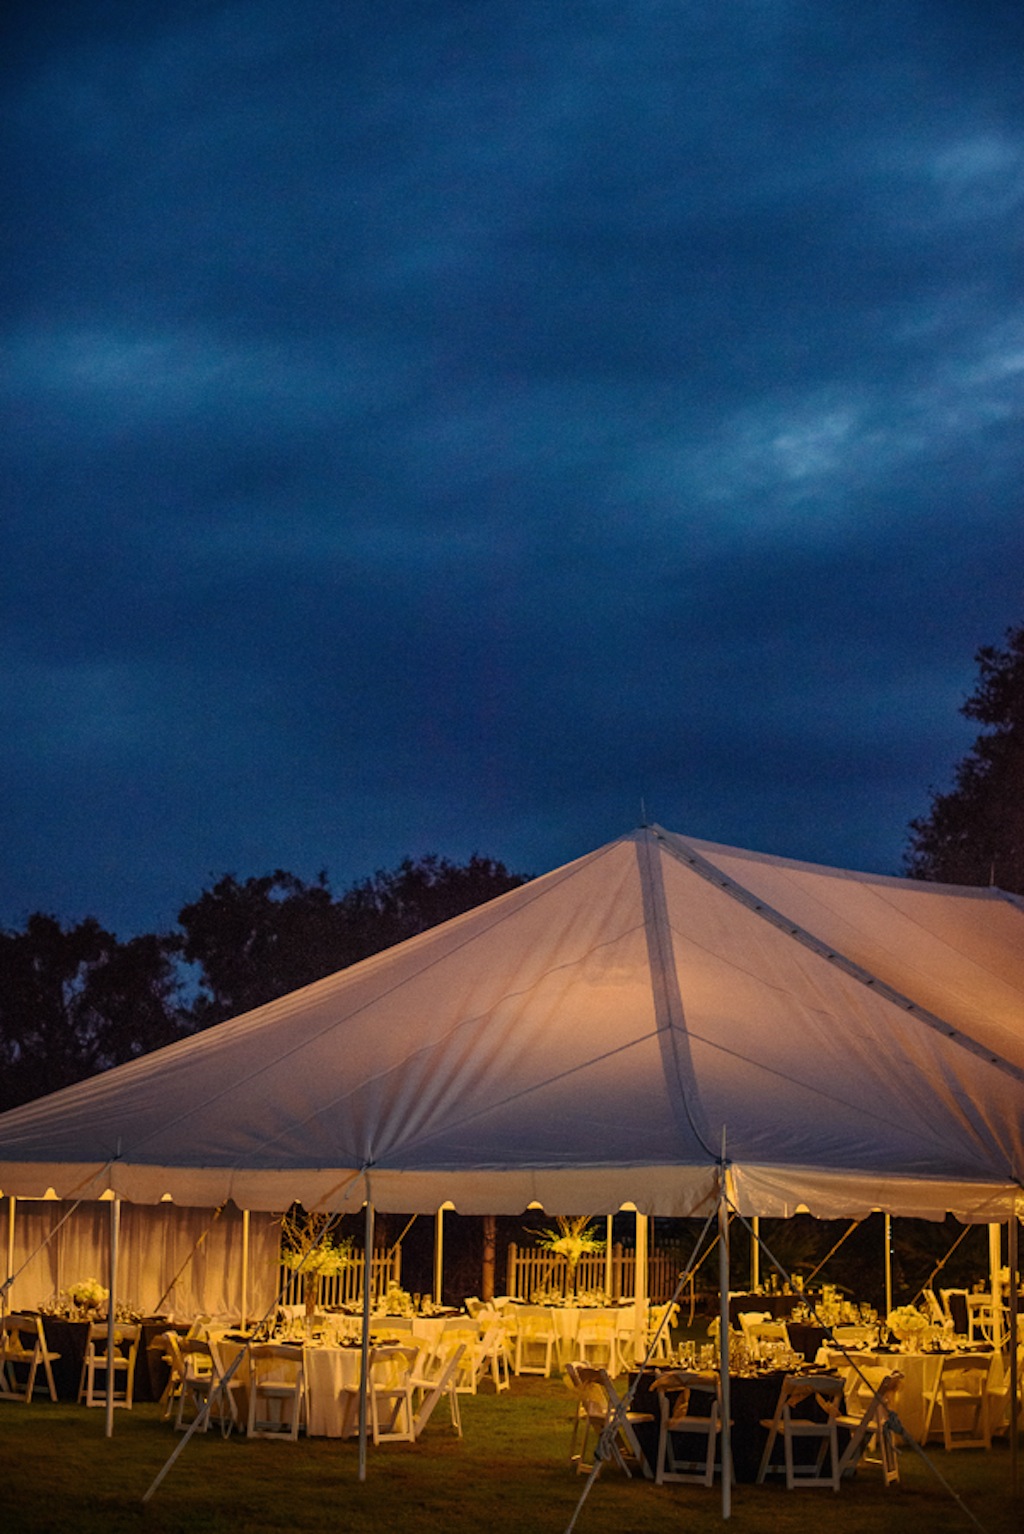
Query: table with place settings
x,y
920,1373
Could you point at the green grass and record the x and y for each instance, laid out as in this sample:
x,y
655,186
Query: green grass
x,y
59,1473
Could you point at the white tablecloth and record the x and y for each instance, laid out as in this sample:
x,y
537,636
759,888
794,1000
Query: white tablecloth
x,y
566,1319
332,1387
920,1373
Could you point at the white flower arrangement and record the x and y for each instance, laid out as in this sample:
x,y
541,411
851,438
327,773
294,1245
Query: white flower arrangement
x,y
397,1301
309,1249
88,1292
907,1322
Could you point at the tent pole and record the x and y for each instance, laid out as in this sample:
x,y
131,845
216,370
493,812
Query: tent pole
x,y
723,1347
438,1254
364,1375
888,1263
995,1288
115,1228
608,1258
1013,1263
245,1267
11,1206
755,1253
641,1300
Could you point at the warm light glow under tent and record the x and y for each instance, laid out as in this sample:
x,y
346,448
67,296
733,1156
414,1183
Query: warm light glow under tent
x,y
585,1040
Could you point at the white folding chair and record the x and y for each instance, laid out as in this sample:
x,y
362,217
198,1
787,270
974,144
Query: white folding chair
x,y
391,1391
679,1391
960,1398
536,1340
764,1334
202,1383
660,1321
823,1393
980,1318
490,1357
872,1439
277,1390
597,1342
600,1411
117,1367
431,1378
23,1348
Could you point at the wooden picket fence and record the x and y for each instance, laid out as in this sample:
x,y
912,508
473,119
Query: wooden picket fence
x,y
346,1287
530,1270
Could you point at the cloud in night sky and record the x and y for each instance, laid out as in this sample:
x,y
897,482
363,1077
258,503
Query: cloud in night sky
x,y
442,426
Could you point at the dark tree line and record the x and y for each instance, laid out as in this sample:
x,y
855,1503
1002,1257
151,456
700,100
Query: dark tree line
x,y
974,834
75,1000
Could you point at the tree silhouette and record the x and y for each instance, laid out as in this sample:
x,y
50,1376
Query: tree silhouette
x,y
975,833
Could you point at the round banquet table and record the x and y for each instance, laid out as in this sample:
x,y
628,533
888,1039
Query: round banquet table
x,y
69,1339
332,1376
752,1399
566,1319
920,1372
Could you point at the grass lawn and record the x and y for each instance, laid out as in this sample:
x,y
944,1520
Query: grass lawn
x,y
510,1471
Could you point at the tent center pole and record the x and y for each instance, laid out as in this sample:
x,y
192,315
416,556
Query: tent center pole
x,y
364,1376
723,1348
1013,1263
115,1229
245,1267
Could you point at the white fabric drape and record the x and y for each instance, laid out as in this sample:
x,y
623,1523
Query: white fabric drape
x,y
155,1242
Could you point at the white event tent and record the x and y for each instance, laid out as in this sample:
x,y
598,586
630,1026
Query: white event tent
x,y
587,1039
663,1022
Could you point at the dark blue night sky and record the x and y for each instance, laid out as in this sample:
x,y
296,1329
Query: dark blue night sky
x,y
442,426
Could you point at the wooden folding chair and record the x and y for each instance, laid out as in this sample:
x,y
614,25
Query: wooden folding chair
x,y
871,1431
277,1391
391,1390
202,1386
601,1411
961,1392
678,1392
434,1377
536,1340
117,1368
23,1347
822,1395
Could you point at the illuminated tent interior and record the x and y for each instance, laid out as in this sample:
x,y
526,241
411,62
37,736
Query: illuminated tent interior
x,y
588,1039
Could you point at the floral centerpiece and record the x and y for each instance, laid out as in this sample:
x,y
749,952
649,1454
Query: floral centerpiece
x,y
908,1324
88,1294
397,1301
572,1240
308,1248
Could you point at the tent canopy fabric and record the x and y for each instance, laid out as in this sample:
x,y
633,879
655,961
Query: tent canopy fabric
x,y
588,1039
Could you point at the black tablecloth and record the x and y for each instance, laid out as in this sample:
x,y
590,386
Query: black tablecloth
x,y
779,1306
69,1339
752,1399
805,1338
